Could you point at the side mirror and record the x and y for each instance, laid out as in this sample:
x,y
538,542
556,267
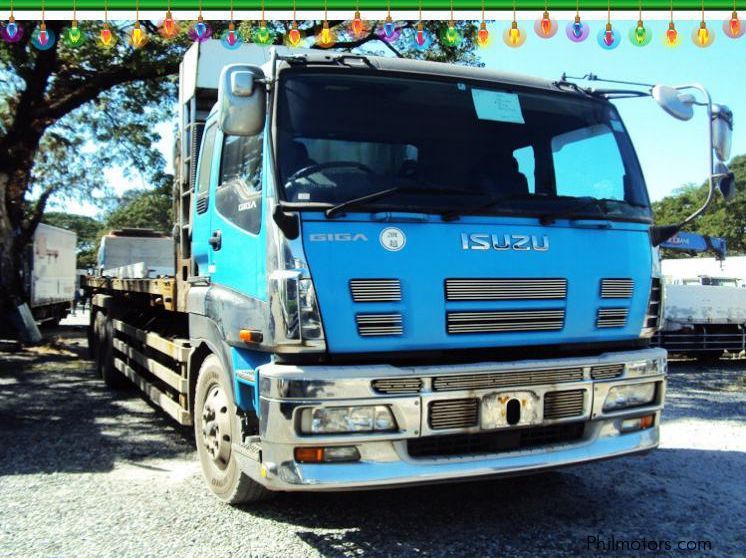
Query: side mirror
x,y
672,101
242,100
725,181
722,131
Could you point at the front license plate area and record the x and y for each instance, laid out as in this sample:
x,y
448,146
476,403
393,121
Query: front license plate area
x,y
510,410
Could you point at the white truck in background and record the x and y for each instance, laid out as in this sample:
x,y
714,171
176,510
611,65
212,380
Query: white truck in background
x,y
136,253
704,307
50,273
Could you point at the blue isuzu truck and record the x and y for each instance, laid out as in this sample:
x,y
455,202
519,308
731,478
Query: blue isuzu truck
x,y
393,272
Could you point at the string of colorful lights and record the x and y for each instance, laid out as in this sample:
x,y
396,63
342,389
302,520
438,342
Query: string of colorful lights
x,y
389,30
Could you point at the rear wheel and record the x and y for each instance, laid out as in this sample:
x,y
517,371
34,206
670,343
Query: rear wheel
x,y
216,428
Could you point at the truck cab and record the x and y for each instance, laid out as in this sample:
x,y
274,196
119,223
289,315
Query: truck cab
x,y
410,272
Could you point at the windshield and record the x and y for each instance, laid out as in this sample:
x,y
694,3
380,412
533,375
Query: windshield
x,y
449,145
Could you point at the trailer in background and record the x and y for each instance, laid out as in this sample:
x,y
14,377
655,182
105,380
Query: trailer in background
x,y
136,253
50,273
705,307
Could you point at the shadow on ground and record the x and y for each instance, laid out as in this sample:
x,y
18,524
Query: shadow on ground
x,y
56,415
669,495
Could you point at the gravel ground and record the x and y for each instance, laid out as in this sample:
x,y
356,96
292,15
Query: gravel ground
x,y
88,472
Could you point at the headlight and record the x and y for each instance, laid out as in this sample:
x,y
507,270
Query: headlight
x,y
628,396
347,419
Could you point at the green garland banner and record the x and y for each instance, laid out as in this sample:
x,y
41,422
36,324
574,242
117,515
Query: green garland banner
x,y
317,6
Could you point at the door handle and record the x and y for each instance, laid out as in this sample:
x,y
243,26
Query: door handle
x,y
216,240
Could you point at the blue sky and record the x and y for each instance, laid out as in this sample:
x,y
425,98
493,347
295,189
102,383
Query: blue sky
x,y
672,153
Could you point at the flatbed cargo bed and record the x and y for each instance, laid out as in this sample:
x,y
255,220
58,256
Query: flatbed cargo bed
x,y
161,290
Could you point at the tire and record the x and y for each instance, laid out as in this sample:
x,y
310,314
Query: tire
x,y
709,356
105,355
216,427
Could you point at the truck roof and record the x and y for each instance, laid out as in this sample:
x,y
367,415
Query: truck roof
x,y
203,62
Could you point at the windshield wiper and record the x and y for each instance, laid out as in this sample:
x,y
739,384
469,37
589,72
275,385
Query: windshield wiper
x,y
582,204
342,206
455,214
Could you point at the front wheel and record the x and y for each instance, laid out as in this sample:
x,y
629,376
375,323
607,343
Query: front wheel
x,y
216,427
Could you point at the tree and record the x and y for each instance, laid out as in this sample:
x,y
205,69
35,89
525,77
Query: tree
x,y
145,209
68,114
87,229
721,219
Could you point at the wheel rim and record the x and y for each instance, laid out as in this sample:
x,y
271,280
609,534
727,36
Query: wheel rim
x,y
216,427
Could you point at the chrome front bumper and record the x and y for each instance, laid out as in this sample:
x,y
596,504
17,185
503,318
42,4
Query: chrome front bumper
x,y
385,460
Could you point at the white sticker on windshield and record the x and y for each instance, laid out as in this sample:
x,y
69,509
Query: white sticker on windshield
x,y
497,106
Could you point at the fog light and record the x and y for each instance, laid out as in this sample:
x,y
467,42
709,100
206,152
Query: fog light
x,y
634,424
645,367
347,419
326,454
628,396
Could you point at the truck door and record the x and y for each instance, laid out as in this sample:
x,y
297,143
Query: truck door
x,y
237,261
201,232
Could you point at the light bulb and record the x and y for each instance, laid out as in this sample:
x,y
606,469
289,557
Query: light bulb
x,y
546,24
169,28
138,37
358,27
43,35
294,36
420,35
608,35
483,36
262,35
514,33
577,28
672,36
450,36
42,38
702,34
105,36
640,33
735,25
200,28
72,36
11,30
326,37
388,27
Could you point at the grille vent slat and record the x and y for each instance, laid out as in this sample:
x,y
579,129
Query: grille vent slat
x,y
452,414
491,380
612,317
607,371
397,386
472,322
564,404
492,289
375,290
620,288
379,324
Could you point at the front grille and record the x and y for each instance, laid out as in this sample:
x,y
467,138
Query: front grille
x,y
612,317
379,324
653,314
452,414
505,321
397,386
564,404
617,288
494,442
489,380
492,289
375,290
607,371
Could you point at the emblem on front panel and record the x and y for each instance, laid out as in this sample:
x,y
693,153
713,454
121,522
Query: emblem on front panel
x,y
393,239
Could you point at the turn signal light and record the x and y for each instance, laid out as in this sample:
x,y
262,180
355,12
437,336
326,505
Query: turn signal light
x,y
326,454
250,337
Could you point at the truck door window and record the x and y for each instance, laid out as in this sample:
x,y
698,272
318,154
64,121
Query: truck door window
x,y
205,160
588,162
239,194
